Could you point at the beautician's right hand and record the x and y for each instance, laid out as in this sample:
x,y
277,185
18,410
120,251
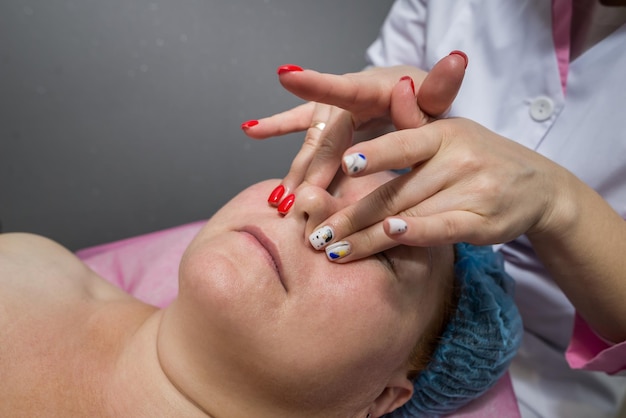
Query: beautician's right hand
x,y
361,101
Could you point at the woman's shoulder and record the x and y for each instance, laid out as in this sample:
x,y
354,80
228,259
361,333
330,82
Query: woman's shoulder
x,y
37,276
26,251
15,243
60,325
33,264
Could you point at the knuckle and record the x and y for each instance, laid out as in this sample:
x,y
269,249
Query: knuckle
x,y
412,212
404,149
448,230
487,186
311,140
321,144
467,161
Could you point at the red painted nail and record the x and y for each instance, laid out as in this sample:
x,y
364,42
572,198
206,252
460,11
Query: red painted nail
x,y
249,124
287,68
406,77
276,195
462,55
286,204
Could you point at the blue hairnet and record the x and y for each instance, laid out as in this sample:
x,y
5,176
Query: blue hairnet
x,y
479,342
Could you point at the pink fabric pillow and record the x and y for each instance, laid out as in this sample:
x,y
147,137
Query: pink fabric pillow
x,y
146,266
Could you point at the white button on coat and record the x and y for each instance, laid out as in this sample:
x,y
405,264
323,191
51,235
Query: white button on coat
x,y
541,108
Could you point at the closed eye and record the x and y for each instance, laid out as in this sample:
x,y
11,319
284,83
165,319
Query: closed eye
x,y
389,262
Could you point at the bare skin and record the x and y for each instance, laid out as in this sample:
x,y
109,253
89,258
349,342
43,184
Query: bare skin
x,y
248,334
76,334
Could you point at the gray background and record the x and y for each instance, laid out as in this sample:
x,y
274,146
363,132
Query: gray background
x,y
121,117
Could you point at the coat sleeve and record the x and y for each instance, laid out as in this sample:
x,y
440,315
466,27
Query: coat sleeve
x,y
587,351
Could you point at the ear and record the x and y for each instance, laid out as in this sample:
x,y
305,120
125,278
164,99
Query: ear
x,y
398,391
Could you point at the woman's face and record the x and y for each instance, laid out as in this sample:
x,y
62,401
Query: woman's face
x,y
279,314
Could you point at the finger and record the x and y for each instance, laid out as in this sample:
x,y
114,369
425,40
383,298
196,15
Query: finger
x,y
439,229
388,199
361,244
365,93
395,150
316,133
293,120
477,197
404,110
435,95
319,158
441,85
335,139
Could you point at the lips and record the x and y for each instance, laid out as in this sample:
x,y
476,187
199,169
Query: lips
x,y
269,247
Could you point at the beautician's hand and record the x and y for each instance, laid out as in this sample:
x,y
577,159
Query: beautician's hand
x,y
467,184
356,101
470,184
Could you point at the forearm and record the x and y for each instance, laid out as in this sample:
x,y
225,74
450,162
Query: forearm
x,y
583,246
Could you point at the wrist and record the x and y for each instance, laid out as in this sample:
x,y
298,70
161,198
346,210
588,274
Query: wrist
x,y
562,210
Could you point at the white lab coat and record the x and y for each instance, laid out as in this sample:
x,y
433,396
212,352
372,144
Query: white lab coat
x,y
512,86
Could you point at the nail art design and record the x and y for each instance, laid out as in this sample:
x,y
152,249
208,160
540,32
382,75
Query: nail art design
x,y
355,163
397,226
249,124
286,204
288,68
321,237
276,194
338,250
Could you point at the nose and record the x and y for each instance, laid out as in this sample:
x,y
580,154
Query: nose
x,y
314,205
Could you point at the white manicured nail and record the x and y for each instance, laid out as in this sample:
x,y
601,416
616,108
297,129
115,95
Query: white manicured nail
x,y
321,237
397,226
338,250
355,163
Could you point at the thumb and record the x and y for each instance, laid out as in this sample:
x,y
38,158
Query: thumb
x,y
435,95
441,85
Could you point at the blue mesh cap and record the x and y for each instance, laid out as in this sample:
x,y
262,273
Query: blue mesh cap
x,y
479,342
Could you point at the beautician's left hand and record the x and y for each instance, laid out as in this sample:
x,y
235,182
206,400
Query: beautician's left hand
x,y
341,104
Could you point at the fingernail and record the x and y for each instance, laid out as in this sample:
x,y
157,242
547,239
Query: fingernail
x,y
321,237
355,163
461,54
397,226
406,77
276,194
286,204
287,68
249,124
338,250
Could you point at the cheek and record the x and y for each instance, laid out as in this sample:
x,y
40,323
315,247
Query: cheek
x,y
347,341
229,303
351,316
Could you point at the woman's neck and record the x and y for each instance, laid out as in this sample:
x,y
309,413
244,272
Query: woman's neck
x,y
212,378
138,385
